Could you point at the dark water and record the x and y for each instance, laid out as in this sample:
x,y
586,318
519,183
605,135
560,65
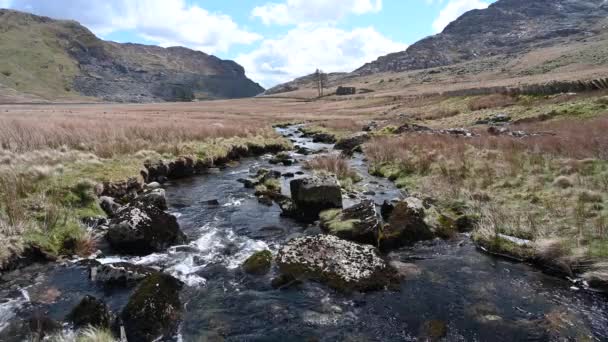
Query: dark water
x,y
477,297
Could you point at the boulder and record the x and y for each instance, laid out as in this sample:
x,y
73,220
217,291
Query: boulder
x,y
152,186
341,264
155,198
352,142
313,195
141,229
91,312
108,205
155,171
259,263
359,223
386,210
121,190
154,310
406,225
597,278
120,273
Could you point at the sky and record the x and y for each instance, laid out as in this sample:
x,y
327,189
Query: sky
x,y
274,40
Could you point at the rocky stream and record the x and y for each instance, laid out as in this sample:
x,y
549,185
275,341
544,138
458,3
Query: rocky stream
x,y
434,290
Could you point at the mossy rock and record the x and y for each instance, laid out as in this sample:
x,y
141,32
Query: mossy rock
x,y
259,263
502,247
154,309
359,223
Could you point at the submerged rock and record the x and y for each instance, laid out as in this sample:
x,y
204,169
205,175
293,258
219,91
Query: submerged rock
x,y
154,310
341,264
91,312
433,330
313,195
141,229
359,223
259,263
406,225
120,273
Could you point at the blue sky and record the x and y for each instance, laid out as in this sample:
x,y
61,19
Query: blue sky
x,y
275,40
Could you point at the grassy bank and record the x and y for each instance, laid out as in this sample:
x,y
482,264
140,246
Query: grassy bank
x,y
550,191
48,171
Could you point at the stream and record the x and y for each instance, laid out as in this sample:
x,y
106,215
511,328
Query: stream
x,y
470,295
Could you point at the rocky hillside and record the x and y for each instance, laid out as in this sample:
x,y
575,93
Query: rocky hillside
x,y
62,60
507,27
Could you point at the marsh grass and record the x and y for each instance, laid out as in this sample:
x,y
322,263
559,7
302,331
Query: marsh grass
x,y
537,188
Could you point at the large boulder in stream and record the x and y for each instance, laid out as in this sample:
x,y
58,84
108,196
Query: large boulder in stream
x,y
141,228
341,264
310,196
91,312
406,225
359,223
154,310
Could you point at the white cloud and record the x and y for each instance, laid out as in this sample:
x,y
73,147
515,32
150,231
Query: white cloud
x,y
5,3
313,11
454,9
310,46
164,22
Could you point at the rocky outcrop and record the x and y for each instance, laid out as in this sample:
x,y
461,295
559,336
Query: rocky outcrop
x,y
506,27
141,228
110,71
154,310
311,196
91,312
359,223
406,225
341,264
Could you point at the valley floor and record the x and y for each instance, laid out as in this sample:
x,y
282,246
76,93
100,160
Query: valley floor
x,y
529,173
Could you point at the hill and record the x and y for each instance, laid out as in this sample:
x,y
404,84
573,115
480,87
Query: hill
x,y
511,42
61,60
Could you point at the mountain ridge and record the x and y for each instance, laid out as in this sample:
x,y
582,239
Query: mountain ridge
x,y
61,59
506,26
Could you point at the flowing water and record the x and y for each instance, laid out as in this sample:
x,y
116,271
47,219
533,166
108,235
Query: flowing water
x,y
468,295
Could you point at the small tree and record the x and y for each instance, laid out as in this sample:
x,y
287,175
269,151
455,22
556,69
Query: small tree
x,y
320,81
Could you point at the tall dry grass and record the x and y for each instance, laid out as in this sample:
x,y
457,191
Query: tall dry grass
x,y
568,139
332,163
116,135
491,101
